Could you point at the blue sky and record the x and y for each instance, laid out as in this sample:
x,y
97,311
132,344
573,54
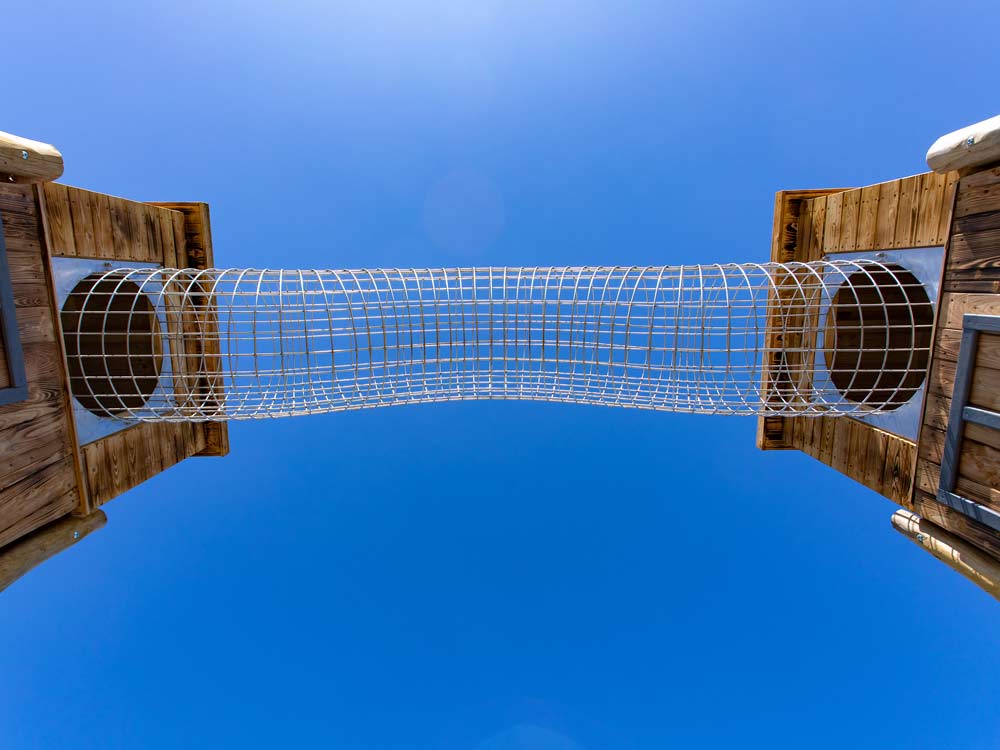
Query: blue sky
x,y
495,576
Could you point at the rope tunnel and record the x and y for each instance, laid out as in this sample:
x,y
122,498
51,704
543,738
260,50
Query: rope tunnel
x,y
822,338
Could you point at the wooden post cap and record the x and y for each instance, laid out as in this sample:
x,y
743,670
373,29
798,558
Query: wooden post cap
x,y
24,160
966,149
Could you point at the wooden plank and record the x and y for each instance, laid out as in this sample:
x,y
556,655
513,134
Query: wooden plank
x,y
81,212
888,206
929,207
979,193
955,305
976,248
849,220
166,233
121,230
949,344
947,208
906,212
33,549
104,235
831,229
61,239
867,218
45,493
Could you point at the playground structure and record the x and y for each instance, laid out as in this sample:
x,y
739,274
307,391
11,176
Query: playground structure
x,y
855,339
869,339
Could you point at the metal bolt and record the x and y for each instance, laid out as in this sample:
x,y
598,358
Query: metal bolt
x,y
76,534
970,141
24,154
920,537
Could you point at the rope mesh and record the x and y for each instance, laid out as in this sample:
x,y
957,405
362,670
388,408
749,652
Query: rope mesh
x,y
219,344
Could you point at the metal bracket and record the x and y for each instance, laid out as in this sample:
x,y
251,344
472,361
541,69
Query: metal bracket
x,y
961,412
18,389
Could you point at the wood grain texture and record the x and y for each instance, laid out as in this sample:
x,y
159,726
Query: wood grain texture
x,y
195,251
909,212
956,553
33,549
26,161
790,231
38,460
971,284
84,224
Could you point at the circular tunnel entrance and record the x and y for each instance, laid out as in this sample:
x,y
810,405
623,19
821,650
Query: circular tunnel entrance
x,y
113,346
877,336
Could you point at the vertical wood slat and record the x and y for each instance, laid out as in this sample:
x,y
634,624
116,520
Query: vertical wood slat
x,y
867,218
104,240
831,232
82,215
60,219
906,212
885,223
849,218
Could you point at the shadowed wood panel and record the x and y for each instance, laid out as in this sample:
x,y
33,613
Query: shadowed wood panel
x,y
38,472
195,251
971,286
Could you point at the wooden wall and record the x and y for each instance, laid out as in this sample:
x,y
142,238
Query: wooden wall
x,y
906,213
92,225
971,285
38,458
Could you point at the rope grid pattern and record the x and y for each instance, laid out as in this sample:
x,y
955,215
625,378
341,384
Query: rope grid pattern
x,y
220,344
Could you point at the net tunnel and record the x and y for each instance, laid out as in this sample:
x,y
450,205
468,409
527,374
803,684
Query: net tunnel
x,y
821,338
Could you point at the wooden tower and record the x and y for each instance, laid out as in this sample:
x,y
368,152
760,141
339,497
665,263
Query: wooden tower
x,y
943,467
54,477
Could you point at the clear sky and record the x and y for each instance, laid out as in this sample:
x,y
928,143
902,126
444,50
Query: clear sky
x,y
495,576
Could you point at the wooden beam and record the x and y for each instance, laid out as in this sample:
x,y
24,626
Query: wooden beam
x,y
24,160
960,556
26,553
967,150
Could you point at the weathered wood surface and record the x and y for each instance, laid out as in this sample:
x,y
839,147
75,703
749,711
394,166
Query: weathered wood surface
x,y
971,285
32,550
198,253
967,149
25,161
85,224
788,229
909,212
38,459
956,553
